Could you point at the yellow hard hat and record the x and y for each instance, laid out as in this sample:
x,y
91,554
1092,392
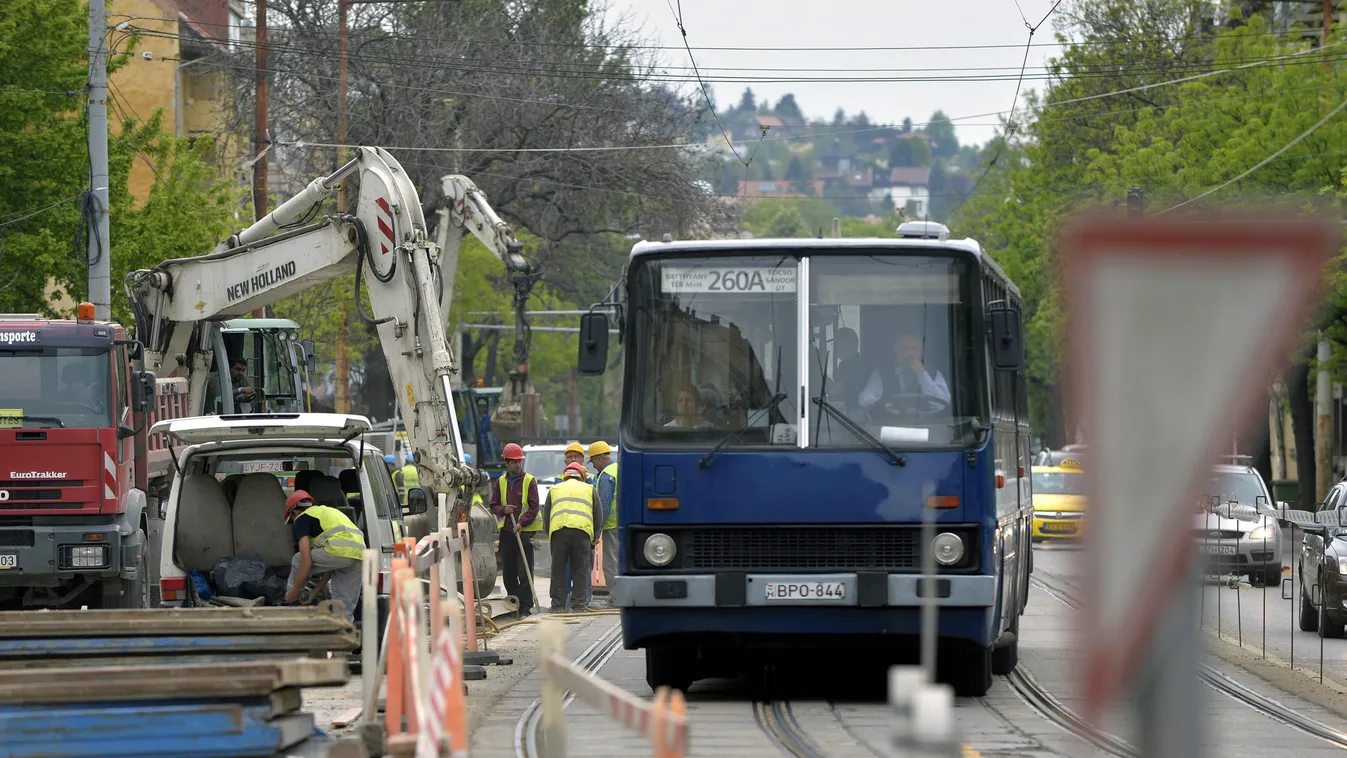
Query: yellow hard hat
x,y
575,447
599,448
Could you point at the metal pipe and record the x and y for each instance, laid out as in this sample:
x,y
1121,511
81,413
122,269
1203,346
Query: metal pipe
x,y
507,328
544,313
318,190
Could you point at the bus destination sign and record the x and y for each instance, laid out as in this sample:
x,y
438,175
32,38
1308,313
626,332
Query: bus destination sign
x,y
730,280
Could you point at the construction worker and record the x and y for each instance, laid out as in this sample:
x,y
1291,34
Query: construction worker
x,y
515,500
406,479
601,458
575,453
329,543
568,518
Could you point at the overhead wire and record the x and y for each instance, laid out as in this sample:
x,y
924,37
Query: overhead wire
x,y
770,48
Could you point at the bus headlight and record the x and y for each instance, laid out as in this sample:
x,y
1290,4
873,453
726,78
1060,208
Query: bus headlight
x,y
659,549
948,548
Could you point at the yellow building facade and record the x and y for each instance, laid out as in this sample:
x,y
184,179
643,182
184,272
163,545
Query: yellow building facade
x,y
175,70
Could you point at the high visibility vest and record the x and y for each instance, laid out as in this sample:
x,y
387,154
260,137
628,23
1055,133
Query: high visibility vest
x,y
537,525
611,521
572,506
410,479
340,537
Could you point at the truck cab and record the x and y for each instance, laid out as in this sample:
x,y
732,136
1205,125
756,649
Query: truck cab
x,y
233,475
72,520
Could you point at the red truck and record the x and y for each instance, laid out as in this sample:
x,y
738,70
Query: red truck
x,y
75,463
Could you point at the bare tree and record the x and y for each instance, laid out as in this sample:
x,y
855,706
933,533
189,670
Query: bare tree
x,y
505,82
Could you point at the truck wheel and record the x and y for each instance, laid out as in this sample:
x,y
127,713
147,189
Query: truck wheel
x,y
130,593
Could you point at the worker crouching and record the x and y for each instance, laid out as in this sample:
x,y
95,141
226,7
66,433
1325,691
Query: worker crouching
x,y
568,517
329,544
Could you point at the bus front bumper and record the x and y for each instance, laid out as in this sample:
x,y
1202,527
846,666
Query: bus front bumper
x,y
738,590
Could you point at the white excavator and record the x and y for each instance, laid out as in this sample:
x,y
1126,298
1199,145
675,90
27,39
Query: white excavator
x,y
409,280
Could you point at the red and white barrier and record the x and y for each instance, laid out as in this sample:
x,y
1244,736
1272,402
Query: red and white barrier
x,y
662,720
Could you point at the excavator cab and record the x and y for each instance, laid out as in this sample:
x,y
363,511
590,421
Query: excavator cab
x,y
264,368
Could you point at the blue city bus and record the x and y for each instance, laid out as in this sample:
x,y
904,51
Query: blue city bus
x,y
792,408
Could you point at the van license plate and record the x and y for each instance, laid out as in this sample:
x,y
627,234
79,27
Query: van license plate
x,y
9,561
835,591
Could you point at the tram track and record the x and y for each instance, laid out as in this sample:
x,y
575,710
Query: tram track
x,y
1225,685
528,729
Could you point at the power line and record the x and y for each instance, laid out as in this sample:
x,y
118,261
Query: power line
x,y
1263,162
29,213
584,71
1100,42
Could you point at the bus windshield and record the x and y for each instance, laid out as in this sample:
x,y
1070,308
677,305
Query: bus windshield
x,y
716,342
55,387
893,350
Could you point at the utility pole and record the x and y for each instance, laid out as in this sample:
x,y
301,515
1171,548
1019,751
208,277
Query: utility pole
x,y
100,253
341,399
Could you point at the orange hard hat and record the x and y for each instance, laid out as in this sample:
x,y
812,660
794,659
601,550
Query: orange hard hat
x,y
513,452
298,497
575,469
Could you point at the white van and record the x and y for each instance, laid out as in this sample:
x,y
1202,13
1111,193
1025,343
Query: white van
x,y
234,475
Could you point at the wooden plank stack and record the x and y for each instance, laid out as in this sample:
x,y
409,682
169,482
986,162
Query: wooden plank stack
x,y
169,682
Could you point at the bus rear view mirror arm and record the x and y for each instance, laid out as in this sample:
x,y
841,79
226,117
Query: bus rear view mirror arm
x,y
1006,341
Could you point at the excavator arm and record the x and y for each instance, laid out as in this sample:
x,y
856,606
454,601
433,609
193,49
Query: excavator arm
x,y
465,210
384,243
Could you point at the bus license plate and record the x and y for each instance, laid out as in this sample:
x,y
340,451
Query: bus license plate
x,y
9,561
1220,549
836,591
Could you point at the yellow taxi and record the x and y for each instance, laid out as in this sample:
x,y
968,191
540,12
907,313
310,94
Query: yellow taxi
x,y
1059,500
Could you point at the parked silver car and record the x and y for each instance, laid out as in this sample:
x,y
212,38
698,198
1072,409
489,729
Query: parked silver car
x,y
1239,540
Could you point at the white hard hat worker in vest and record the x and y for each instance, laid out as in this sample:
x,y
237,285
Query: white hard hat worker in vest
x,y
605,484
329,544
569,517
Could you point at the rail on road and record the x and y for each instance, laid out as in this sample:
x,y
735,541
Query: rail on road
x,y
662,720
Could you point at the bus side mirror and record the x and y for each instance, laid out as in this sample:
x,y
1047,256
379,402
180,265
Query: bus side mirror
x,y
593,358
143,387
416,502
310,356
1007,347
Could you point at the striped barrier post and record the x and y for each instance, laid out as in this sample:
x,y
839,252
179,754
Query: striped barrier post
x,y
662,720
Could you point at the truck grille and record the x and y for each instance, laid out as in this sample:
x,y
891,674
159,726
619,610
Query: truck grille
x,y
28,506
25,483
16,538
34,495
803,549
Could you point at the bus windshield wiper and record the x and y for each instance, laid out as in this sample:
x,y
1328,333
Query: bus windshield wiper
x,y
776,400
40,419
859,431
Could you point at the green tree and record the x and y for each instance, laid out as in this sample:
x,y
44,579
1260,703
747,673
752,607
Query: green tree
x,y
747,102
941,130
44,170
786,108
910,151
907,125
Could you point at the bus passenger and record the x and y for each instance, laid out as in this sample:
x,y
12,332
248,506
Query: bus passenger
x,y
906,375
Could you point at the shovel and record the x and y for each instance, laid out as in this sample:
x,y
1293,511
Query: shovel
x,y
533,588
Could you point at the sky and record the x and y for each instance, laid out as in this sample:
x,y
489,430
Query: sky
x,y
855,24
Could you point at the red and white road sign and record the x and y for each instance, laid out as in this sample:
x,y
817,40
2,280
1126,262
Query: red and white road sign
x,y
1176,328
